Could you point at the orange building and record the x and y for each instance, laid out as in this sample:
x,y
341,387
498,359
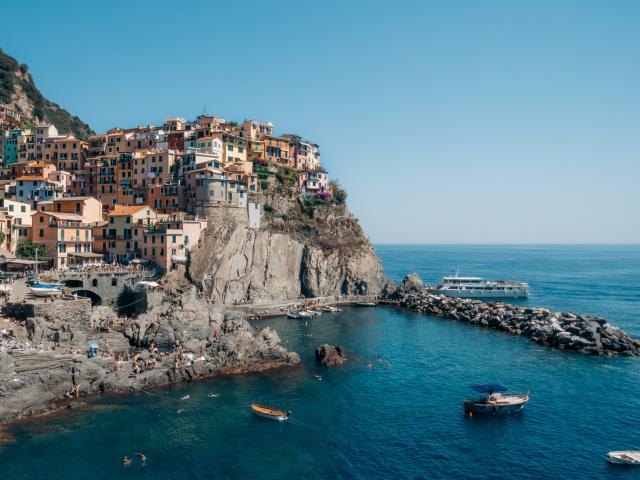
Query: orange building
x,y
62,234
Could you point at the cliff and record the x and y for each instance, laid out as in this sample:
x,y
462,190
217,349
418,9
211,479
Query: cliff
x,y
19,92
49,361
299,250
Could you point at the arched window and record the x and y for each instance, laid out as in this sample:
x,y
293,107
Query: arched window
x,y
114,282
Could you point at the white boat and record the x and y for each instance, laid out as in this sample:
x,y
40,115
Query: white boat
x,y
493,402
366,304
293,315
46,289
306,314
624,457
331,309
476,287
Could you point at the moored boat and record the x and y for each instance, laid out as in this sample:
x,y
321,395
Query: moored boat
x,y
494,402
306,314
331,309
293,315
46,289
624,457
476,287
366,304
268,412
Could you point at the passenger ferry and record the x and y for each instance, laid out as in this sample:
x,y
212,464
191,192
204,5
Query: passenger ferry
x,y
476,287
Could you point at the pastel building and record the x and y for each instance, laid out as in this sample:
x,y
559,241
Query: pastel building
x,y
15,223
68,153
115,238
169,241
62,234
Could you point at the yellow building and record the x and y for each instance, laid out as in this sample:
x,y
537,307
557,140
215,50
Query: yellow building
x,y
114,239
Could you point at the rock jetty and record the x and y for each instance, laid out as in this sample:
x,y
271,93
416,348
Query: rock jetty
x,y
565,330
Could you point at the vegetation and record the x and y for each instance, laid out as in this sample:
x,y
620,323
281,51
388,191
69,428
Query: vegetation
x,y
28,250
43,109
287,177
339,193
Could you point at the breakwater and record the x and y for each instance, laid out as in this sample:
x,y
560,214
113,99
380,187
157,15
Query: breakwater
x,y
564,330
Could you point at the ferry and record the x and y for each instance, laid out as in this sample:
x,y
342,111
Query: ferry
x,y
476,287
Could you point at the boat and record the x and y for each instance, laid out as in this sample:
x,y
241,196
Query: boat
x,y
331,309
494,402
476,287
46,289
306,314
293,315
366,304
268,412
624,457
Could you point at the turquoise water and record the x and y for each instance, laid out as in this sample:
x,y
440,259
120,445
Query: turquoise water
x,y
399,419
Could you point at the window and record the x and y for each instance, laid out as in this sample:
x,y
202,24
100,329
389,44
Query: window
x,y
114,282
230,148
41,233
63,247
94,282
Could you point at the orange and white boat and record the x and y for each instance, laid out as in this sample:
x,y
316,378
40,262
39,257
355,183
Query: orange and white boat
x,y
268,412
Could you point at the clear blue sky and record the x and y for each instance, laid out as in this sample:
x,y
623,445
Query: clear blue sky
x,y
448,122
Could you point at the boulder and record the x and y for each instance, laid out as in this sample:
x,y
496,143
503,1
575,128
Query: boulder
x,y
330,355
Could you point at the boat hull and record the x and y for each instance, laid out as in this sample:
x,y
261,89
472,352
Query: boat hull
x,y
477,294
270,413
484,407
623,458
45,292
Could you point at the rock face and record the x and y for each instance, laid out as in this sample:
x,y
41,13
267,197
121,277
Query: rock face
x,y
233,263
211,343
19,92
330,356
565,330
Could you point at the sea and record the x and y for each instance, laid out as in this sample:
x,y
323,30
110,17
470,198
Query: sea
x,y
393,411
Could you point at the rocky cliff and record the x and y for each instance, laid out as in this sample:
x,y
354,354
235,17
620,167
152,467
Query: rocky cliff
x,y
19,92
299,250
46,367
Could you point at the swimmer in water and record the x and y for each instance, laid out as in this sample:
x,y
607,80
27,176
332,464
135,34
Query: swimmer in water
x,y
181,410
214,395
186,397
142,457
126,461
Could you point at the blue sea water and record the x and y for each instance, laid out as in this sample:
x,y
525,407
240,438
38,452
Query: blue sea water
x,y
399,419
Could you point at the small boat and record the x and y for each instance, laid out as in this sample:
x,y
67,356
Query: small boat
x,y
268,412
306,314
186,397
493,402
293,315
46,289
366,304
331,309
624,457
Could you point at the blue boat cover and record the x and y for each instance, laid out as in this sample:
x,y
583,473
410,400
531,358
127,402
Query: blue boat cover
x,y
488,388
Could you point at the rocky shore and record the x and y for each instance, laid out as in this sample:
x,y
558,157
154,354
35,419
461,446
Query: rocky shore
x,y
44,365
565,330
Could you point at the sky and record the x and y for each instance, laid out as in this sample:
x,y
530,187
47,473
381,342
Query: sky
x,y
447,121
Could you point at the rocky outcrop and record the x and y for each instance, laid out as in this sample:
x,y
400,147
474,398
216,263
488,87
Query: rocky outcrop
x,y
236,264
330,355
565,330
19,92
202,342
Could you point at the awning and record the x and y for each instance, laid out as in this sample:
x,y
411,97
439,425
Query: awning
x,y
84,254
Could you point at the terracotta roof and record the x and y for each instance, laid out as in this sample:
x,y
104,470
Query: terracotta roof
x,y
126,210
31,177
61,216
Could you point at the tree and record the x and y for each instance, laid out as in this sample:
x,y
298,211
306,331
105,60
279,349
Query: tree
x,y
339,193
28,250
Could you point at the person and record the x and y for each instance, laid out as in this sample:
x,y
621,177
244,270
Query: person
x,y
126,461
142,457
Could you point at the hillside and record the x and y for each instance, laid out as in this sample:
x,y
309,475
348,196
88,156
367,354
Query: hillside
x,y
19,92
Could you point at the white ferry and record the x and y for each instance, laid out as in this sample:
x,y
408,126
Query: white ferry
x,y
476,287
